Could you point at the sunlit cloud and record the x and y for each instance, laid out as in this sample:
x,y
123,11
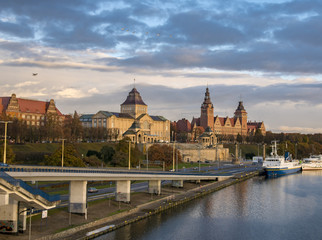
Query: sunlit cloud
x,y
25,84
266,53
287,129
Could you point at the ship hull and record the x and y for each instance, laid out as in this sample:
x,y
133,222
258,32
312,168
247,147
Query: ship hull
x,y
311,168
275,172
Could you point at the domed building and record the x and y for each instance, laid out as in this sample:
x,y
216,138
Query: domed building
x,y
133,121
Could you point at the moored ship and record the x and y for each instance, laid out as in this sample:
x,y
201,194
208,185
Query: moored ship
x,y
276,165
314,162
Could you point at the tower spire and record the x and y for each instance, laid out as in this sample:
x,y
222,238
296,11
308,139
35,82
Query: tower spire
x,y
207,112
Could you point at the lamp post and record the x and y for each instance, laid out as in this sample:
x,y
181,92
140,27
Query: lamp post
x,y
147,158
217,160
5,140
129,155
174,149
199,157
177,164
62,152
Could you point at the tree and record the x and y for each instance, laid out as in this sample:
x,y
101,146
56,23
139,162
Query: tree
x,y
112,133
93,152
258,137
121,156
163,152
10,156
120,159
93,161
70,157
239,138
73,128
53,128
107,153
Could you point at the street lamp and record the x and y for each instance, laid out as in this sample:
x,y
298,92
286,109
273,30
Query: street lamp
x,y
147,157
199,157
62,152
217,155
174,149
129,155
5,140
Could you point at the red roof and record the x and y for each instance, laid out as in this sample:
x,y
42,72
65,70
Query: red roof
x,y
183,125
32,106
232,121
27,105
221,120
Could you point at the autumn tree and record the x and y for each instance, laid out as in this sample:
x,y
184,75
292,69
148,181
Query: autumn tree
x,y
163,152
73,128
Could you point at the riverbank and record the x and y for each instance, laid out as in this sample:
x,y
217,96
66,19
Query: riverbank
x,y
62,225
164,204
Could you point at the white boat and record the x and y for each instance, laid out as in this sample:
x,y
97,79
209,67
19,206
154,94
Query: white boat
x,y
278,165
314,162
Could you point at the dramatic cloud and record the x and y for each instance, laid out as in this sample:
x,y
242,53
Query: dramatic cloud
x,y
87,54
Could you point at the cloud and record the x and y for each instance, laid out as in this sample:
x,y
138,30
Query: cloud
x,y
299,129
93,90
25,84
70,93
267,51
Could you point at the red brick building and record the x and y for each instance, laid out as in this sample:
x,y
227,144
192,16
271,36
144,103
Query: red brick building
x,y
226,125
33,112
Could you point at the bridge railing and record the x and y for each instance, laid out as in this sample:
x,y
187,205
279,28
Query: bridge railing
x,y
47,169
22,184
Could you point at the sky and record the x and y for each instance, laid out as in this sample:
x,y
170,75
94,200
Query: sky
x,y
87,54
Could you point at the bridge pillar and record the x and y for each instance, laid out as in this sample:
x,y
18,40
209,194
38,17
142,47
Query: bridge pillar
x,y
78,197
155,186
177,183
9,217
123,191
4,198
22,219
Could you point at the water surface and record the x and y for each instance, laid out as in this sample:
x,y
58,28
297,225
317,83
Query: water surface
x,y
288,207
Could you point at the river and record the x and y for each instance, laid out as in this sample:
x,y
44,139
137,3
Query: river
x,y
288,207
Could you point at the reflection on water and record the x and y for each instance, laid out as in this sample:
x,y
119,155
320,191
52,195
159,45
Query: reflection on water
x,y
281,208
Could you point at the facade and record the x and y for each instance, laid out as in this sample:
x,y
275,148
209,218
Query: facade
x,y
133,121
182,125
196,152
225,125
33,112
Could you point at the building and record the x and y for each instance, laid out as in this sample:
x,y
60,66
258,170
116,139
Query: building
x,y
33,112
224,125
133,121
182,125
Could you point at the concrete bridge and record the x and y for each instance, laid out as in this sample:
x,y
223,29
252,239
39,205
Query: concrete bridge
x,y
13,194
